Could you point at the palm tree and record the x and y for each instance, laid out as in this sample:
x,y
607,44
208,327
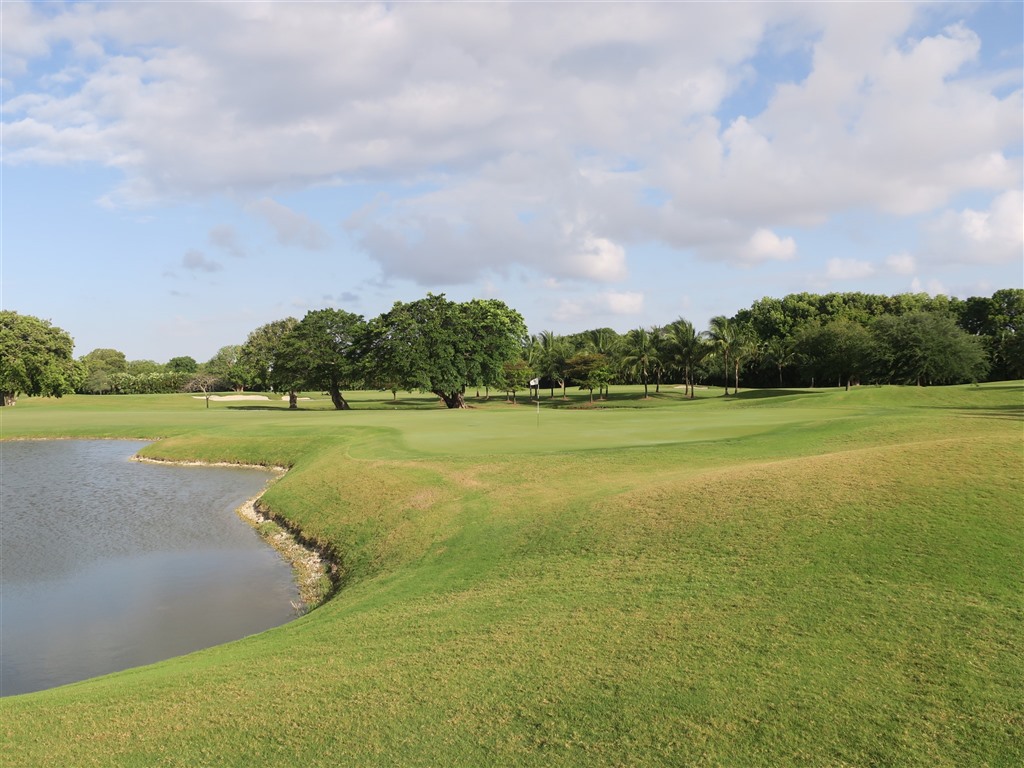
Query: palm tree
x,y
532,355
686,349
640,356
744,348
659,339
780,351
722,335
555,352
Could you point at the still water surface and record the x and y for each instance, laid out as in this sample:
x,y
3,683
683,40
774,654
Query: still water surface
x,y
107,564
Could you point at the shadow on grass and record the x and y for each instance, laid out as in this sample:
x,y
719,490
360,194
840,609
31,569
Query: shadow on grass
x,y
261,408
762,394
1011,412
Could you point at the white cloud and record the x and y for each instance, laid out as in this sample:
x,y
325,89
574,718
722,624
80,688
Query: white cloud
x,y
598,307
624,303
292,228
765,245
600,259
528,135
969,236
849,269
901,263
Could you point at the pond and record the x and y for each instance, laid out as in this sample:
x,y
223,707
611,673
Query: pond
x,y
107,564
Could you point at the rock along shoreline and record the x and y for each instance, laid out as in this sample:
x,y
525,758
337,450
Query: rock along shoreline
x,y
314,571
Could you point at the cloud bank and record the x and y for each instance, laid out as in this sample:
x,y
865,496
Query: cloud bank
x,y
548,138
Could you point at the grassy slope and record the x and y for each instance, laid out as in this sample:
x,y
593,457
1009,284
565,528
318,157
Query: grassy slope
x,y
817,578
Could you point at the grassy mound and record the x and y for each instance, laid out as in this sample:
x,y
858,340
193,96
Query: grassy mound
x,y
793,578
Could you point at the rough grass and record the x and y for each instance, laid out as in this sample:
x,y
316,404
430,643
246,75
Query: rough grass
x,y
807,578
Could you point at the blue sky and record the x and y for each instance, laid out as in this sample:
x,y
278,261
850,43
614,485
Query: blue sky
x,y
177,174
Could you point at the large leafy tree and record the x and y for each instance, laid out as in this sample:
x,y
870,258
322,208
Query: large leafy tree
x,y
36,358
100,365
928,348
591,370
182,364
225,366
999,321
319,352
840,350
440,346
259,361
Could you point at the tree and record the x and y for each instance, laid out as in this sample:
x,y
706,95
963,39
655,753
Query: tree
x,y
928,348
516,375
659,363
183,364
999,321
722,335
259,363
591,370
100,365
440,346
139,367
607,343
686,348
36,358
554,354
202,382
639,358
840,349
226,366
744,348
779,352
318,353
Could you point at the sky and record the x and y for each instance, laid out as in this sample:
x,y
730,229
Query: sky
x,y
176,174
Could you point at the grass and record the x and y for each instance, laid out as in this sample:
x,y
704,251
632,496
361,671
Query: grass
x,y
799,578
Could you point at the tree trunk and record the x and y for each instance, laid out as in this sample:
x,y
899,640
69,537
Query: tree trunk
x,y
726,361
10,398
293,400
451,399
736,387
340,403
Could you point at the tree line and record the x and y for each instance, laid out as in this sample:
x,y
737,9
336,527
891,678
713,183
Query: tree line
x,y
448,348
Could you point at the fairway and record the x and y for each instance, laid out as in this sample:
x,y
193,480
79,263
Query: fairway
x,y
793,577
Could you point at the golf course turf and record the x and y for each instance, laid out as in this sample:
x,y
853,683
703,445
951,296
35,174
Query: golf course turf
x,y
792,577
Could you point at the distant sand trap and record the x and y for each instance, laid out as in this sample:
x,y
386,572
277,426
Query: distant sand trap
x,y
232,397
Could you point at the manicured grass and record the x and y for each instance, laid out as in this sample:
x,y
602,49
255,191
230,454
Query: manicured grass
x,y
801,578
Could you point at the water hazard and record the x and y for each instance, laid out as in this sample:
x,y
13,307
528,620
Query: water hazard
x,y
107,564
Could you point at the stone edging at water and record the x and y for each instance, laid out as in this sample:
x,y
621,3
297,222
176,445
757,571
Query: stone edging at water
x,y
313,569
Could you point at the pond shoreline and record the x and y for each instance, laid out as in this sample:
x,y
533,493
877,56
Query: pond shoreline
x,y
313,569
